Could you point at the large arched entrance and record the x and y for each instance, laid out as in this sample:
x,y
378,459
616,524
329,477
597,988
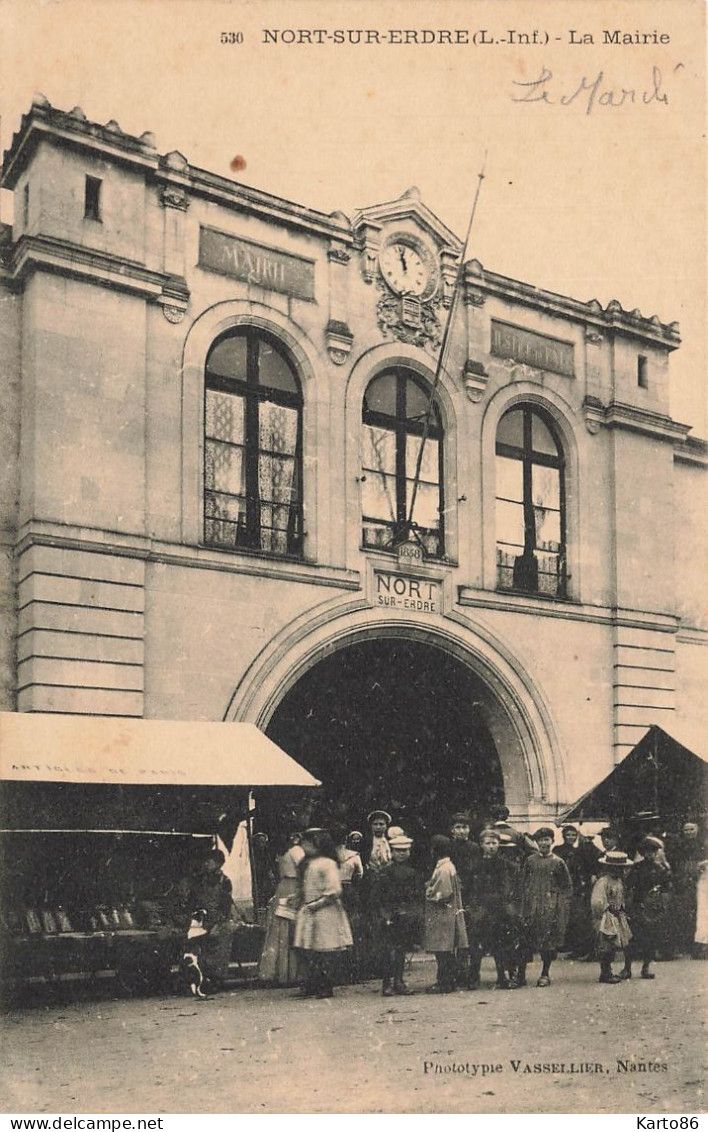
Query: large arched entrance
x,y
396,723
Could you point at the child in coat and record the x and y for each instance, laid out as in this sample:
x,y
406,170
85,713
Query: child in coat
x,y
445,931
609,918
545,903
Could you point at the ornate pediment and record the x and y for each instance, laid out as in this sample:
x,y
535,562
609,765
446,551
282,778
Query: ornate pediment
x,y
412,258
411,210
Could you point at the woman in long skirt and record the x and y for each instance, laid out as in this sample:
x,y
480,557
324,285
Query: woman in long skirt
x,y
545,904
322,929
279,963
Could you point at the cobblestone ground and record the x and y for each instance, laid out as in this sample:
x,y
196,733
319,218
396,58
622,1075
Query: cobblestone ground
x,y
258,1051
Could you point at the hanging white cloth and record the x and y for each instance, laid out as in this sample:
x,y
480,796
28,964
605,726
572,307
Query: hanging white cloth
x,y
237,866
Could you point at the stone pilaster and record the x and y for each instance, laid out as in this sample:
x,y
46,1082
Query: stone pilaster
x,y
80,643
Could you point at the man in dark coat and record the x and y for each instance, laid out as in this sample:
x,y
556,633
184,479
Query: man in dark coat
x,y
376,857
648,892
212,894
589,856
578,936
399,895
465,856
684,854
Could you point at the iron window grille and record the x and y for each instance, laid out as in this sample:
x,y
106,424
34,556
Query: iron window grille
x,y
395,406
530,504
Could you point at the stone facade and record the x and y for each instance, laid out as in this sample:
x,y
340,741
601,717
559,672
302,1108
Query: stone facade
x,y
112,601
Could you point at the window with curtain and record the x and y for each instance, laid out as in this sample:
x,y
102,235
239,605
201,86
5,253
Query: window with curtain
x,y
530,506
252,446
396,404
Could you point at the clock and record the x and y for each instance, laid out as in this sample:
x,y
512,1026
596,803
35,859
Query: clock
x,y
408,269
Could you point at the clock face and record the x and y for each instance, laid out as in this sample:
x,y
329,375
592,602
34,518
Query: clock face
x,y
404,269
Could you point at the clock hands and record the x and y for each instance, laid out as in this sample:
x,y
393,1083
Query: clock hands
x,y
404,269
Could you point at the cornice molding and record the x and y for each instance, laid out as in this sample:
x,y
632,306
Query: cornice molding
x,y
97,541
44,253
72,130
620,415
469,596
597,320
691,450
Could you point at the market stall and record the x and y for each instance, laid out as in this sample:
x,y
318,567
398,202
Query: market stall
x,y
659,776
101,821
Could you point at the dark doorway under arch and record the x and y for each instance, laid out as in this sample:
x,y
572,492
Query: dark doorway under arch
x,y
391,723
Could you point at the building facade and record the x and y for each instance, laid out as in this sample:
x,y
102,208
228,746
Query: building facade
x,y
233,488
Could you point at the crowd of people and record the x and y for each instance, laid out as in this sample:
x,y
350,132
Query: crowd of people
x,y
355,906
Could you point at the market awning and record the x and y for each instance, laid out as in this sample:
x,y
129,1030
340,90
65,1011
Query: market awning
x,y
168,775
40,747
659,775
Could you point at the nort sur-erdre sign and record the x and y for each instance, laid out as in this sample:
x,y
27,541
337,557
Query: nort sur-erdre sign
x,y
410,595
256,264
538,350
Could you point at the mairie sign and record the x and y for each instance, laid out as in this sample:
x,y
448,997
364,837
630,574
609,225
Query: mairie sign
x,y
256,263
537,350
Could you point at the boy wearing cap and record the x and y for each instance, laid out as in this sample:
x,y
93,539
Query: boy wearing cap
x,y
545,899
607,904
465,856
494,916
400,907
499,820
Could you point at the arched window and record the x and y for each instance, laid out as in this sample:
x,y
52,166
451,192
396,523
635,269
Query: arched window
x,y
396,404
252,446
530,504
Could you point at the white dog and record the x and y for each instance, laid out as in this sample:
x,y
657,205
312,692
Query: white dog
x,y
190,968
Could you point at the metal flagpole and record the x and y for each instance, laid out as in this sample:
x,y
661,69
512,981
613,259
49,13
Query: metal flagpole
x,y
443,353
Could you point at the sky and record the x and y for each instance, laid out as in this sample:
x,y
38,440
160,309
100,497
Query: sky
x,y
580,197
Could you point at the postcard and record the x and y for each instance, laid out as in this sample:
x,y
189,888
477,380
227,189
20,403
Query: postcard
x,y
352,588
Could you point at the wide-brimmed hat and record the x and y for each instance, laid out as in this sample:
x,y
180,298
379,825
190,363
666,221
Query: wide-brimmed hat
x,y
395,831
615,857
401,842
379,814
